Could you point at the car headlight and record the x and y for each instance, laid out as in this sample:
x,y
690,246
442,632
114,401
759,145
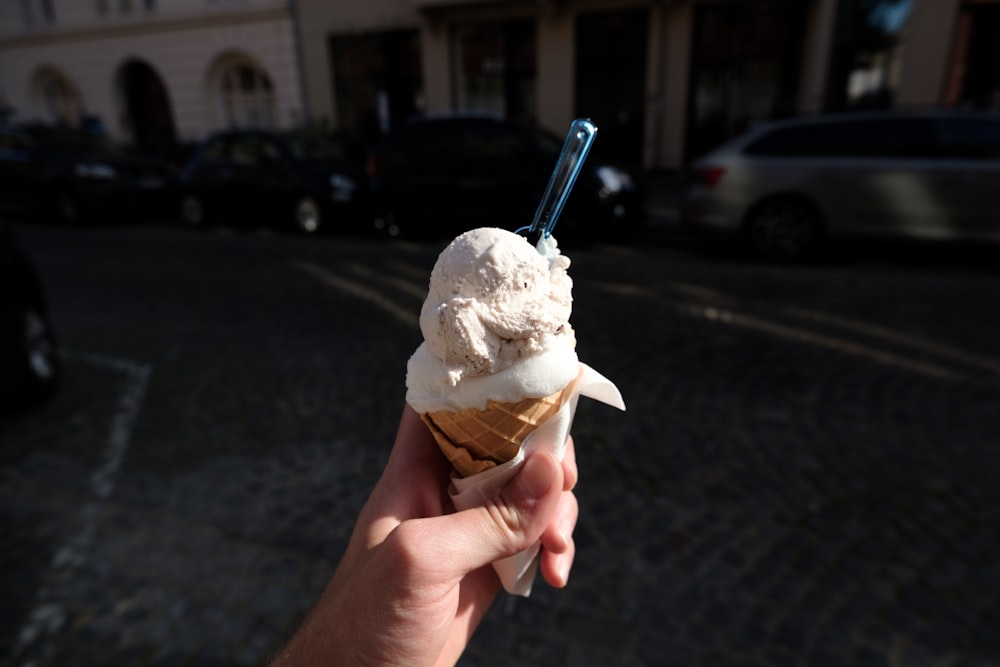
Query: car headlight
x,y
614,180
343,187
96,170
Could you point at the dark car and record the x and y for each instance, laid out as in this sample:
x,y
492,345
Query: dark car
x,y
299,180
786,186
75,174
441,175
29,363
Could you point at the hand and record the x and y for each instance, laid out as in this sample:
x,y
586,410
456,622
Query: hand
x,y
416,579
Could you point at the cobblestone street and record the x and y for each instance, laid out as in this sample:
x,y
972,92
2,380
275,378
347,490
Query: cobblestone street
x,y
808,472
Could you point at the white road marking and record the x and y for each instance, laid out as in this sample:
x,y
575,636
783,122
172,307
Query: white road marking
x,y
717,306
48,615
836,343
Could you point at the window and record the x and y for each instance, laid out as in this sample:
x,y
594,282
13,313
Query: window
x,y
971,139
377,80
787,142
13,146
56,98
744,68
494,143
493,68
37,12
123,7
865,61
246,97
876,138
253,151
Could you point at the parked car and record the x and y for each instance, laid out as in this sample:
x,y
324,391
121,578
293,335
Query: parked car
x,y
29,361
296,180
75,175
440,175
787,186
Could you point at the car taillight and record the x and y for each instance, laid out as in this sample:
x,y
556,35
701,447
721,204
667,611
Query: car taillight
x,y
370,166
708,176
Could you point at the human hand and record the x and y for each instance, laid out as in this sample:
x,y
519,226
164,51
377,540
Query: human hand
x,y
416,580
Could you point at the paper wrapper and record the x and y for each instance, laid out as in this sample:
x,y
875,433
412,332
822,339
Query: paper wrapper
x,y
517,573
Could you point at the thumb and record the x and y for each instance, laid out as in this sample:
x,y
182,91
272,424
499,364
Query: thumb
x,y
505,525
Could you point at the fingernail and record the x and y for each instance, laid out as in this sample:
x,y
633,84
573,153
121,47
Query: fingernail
x,y
536,477
563,566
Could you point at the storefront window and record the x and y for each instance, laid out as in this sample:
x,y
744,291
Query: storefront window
x,y
59,100
610,79
865,62
974,79
246,97
745,68
377,81
493,68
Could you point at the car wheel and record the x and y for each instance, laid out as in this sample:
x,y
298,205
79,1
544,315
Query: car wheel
x,y
308,215
192,211
387,224
38,365
784,228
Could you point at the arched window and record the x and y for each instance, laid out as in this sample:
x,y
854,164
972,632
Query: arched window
x,y
57,100
246,97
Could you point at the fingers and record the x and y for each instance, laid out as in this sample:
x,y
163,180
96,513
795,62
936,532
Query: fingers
x,y
515,520
558,548
570,472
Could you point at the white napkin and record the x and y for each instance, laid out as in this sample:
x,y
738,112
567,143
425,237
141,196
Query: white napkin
x,y
517,573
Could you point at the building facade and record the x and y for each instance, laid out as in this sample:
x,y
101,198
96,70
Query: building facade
x,y
150,73
663,79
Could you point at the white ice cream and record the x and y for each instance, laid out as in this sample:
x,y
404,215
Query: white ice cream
x,y
495,324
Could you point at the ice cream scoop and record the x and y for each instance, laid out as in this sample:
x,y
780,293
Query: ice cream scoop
x,y
493,303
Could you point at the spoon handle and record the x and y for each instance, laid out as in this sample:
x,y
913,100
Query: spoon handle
x,y
574,151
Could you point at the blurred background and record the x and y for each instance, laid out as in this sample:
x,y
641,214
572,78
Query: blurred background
x,y
665,81
218,221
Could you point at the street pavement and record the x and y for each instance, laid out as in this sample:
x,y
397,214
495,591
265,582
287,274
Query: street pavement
x,y
807,473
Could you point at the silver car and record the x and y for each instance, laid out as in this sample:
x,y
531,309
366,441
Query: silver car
x,y
788,185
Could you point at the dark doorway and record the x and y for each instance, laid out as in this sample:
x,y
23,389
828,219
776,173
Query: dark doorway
x,y
981,84
148,114
744,68
611,80
377,81
864,59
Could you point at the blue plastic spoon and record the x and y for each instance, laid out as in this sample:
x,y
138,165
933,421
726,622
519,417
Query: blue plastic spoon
x,y
581,137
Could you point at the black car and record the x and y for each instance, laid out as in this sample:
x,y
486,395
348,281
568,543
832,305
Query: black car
x,y
297,180
74,174
29,363
440,175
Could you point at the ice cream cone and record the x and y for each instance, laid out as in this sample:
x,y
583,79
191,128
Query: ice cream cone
x,y
476,440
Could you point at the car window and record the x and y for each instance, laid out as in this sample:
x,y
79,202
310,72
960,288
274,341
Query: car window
x,y
970,138
307,147
253,151
434,140
493,142
13,144
874,138
799,140
215,150
75,142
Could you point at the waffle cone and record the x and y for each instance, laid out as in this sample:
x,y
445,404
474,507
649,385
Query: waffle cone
x,y
477,440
